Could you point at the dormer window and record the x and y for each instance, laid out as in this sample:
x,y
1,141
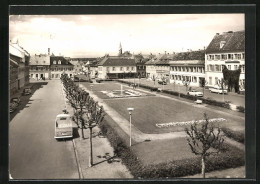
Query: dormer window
x,y
59,62
222,43
54,62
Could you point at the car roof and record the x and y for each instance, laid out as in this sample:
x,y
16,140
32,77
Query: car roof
x,y
62,115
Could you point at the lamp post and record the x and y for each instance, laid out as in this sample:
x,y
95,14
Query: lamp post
x,y
130,113
91,87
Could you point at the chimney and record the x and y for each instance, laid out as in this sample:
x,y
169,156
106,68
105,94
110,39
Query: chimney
x,y
165,52
49,51
217,33
230,31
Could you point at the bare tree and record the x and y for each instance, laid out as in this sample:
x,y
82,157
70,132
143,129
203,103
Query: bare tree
x,y
222,84
204,140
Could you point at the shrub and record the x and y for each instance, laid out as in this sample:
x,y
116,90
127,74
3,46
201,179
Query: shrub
x,y
235,135
233,157
241,108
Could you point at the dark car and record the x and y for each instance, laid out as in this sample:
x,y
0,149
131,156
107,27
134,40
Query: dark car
x,y
162,82
15,100
27,91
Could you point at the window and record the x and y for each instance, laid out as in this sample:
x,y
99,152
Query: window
x,y
243,55
217,68
222,43
223,56
242,68
59,62
229,67
113,68
127,68
57,76
235,67
216,80
52,75
235,56
211,68
132,68
54,62
217,57
195,79
238,56
43,61
210,80
107,69
121,68
230,56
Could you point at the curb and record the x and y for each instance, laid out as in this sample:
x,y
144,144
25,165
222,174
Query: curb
x,y
77,160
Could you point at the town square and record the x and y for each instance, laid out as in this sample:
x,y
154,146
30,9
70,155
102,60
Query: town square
x,y
148,96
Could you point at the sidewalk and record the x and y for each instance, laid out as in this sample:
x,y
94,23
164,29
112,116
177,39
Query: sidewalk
x,y
106,166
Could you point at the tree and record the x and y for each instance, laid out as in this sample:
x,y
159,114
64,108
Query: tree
x,y
203,83
222,84
94,116
204,140
186,83
153,78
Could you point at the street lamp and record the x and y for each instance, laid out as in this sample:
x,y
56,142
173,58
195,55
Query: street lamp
x,y
130,113
91,87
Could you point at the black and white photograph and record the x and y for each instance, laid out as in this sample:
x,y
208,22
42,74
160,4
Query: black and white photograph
x,y
127,96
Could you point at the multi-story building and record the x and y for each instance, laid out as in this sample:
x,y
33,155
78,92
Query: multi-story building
x,y
40,67
59,65
13,77
226,49
20,57
188,66
116,67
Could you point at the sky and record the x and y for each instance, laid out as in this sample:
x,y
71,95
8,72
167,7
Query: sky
x,y
97,35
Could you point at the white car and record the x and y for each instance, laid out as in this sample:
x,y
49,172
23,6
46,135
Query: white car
x,y
217,90
195,93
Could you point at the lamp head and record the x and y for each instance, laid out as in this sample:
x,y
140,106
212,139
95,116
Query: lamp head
x,y
130,109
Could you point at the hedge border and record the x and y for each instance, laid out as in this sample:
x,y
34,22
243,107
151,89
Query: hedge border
x,y
235,135
179,168
182,95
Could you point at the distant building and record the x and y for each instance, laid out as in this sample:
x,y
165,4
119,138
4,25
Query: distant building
x,y
140,65
19,64
59,65
40,67
226,49
188,66
116,67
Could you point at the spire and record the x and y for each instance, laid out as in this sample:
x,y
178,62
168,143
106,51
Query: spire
x,y
120,50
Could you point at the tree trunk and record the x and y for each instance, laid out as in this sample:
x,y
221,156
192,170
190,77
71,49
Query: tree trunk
x,y
91,152
82,131
203,166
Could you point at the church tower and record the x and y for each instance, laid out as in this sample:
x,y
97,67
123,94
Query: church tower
x,y
120,50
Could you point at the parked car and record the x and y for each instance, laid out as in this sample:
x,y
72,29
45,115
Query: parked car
x,y
12,107
15,100
63,126
195,93
27,91
162,82
217,90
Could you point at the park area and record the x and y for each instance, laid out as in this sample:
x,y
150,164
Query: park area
x,y
168,157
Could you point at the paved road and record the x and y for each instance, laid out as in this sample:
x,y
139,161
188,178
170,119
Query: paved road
x,y
234,98
33,152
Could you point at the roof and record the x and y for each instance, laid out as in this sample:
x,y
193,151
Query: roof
x,y
151,62
42,59
233,41
191,55
59,58
187,62
116,61
17,50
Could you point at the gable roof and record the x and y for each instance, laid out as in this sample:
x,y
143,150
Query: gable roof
x,y
191,55
59,58
42,59
116,61
234,41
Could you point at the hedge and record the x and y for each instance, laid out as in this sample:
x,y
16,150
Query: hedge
x,y
241,108
193,98
178,168
235,135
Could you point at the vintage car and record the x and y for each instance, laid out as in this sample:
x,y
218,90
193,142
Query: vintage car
x,y
27,91
162,82
63,126
217,90
15,100
195,93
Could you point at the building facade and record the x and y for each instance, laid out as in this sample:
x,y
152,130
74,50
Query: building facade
x,y
20,57
112,67
59,65
227,49
188,66
40,67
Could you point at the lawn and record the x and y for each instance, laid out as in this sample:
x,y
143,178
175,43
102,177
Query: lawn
x,y
148,111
